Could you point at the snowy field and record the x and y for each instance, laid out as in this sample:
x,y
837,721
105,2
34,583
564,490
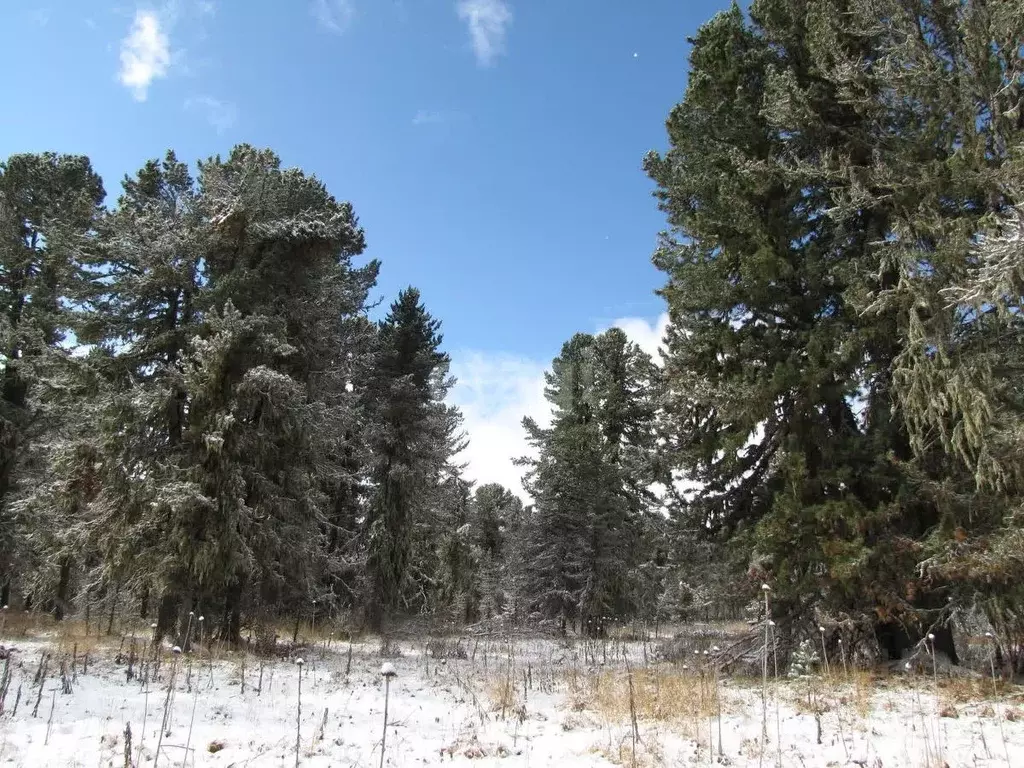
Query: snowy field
x,y
524,703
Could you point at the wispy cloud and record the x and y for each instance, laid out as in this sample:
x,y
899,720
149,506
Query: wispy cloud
x,y
206,8
334,15
428,117
221,115
41,16
145,54
425,117
488,22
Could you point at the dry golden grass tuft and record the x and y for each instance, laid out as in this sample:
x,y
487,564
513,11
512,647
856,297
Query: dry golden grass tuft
x,y
66,637
74,634
966,690
20,624
683,698
505,695
866,683
648,754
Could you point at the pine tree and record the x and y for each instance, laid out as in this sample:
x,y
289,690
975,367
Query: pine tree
x,y
235,435
225,425
765,356
142,309
478,561
796,219
455,576
496,517
48,207
296,263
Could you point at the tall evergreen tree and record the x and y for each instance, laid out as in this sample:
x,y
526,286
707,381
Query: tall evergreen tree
x,y
589,482
48,207
284,247
954,250
787,190
479,560
224,430
563,479
410,444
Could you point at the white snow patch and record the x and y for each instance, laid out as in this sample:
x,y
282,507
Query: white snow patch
x,y
446,711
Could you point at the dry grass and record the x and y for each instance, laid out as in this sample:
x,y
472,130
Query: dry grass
x,y
648,754
865,684
968,690
20,624
66,636
506,696
809,696
660,694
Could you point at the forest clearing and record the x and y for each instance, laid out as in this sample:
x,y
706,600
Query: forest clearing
x,y
383,360
73,700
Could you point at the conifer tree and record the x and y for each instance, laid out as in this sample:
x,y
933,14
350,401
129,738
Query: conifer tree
x,y
48,207
283,247
223,426
410,442
818,150
584,536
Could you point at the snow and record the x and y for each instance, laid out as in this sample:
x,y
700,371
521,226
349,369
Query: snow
x,y
522,703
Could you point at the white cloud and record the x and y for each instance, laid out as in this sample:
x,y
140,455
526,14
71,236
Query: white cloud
x,y
644,333
334,15
145,54
41,16
488,22
221,115
437,117
496,390
428,117
206,8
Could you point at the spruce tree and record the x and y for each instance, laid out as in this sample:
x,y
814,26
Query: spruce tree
x,y
589,481
410,442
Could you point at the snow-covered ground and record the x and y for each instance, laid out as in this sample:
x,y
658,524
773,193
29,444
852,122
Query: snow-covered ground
x,y
529,703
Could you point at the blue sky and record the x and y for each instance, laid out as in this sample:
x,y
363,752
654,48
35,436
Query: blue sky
x,y
492,148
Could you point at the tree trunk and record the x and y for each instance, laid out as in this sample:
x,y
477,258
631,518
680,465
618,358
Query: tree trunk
x,y
60,602
186,623
231,629
113,607
374,614
166,616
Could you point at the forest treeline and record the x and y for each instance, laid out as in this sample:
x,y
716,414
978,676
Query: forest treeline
x,y
199,413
